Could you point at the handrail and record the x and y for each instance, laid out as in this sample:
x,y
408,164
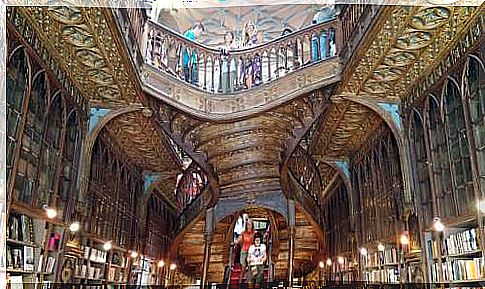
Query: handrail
x,y
192,211
306,172
304,198
211,70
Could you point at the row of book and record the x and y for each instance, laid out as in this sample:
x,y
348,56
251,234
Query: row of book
x,y
388,256
95,255
390,275
461,242
22,258
82,271
20,228
456,270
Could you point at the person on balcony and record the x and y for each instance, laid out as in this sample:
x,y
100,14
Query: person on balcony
x,y
191,73
246,239
252,68
325,14
228,64
256,259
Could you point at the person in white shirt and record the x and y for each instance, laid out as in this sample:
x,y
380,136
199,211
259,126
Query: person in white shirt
x,y
256,259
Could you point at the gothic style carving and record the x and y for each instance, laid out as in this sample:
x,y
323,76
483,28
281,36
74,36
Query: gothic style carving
x,y
410,41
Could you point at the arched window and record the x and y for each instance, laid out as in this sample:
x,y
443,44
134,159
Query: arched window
x,y
476,87
17,80
420,163
440,163
458,145
70,159
28,162
50,152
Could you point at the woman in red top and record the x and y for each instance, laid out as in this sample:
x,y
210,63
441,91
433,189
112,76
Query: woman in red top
x,y
247,238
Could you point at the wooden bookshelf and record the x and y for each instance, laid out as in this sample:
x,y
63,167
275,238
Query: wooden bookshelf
x,y
33,246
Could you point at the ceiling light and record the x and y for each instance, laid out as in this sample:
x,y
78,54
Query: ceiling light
x,y
321,265
173,266
329,262
363,251
161,263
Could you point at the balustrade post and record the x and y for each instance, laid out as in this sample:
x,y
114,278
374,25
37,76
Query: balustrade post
x,y
219,89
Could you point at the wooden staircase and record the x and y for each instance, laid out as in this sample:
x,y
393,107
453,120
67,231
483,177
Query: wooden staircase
x,y
308,244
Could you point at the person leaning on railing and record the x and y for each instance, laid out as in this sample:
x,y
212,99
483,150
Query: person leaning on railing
x,y
190,57
228,65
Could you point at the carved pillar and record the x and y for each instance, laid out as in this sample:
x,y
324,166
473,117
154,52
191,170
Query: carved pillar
x,y
291,240
208,236
270,260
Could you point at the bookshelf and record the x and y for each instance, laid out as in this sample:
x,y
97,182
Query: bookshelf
x,y
33,248
382,266
454,255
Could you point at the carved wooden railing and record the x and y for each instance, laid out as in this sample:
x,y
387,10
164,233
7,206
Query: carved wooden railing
x,y
192,211
304,182
356,20
303,168
166,50
190,185
305,199
131,23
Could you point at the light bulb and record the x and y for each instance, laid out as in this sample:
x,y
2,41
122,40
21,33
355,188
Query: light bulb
x,y
438,226
380,247
51,213
107,246
74,227
161,263
481,206
173,266
321,265
404,239
363,251
134,254
340,260
329,262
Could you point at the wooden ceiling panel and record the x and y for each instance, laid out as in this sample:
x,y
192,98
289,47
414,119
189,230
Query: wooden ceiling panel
x,y
143,144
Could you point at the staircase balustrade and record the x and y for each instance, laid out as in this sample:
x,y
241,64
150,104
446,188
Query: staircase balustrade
x,y
304,170
263,63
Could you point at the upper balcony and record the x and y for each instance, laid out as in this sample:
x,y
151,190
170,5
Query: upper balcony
x,y
288,66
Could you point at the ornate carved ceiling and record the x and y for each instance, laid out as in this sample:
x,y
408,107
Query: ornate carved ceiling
x,y
135,133
406,44
343,129
85,44
271,19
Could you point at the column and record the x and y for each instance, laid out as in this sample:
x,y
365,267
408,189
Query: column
x,y
291,240
208,236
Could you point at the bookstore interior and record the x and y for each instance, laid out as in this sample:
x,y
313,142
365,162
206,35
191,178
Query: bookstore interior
x,y
220,144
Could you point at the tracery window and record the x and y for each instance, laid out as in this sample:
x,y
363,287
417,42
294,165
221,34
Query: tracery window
x,y
475,76
422,186
458,147
51,150
17,79
440,161
39,146
377,181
